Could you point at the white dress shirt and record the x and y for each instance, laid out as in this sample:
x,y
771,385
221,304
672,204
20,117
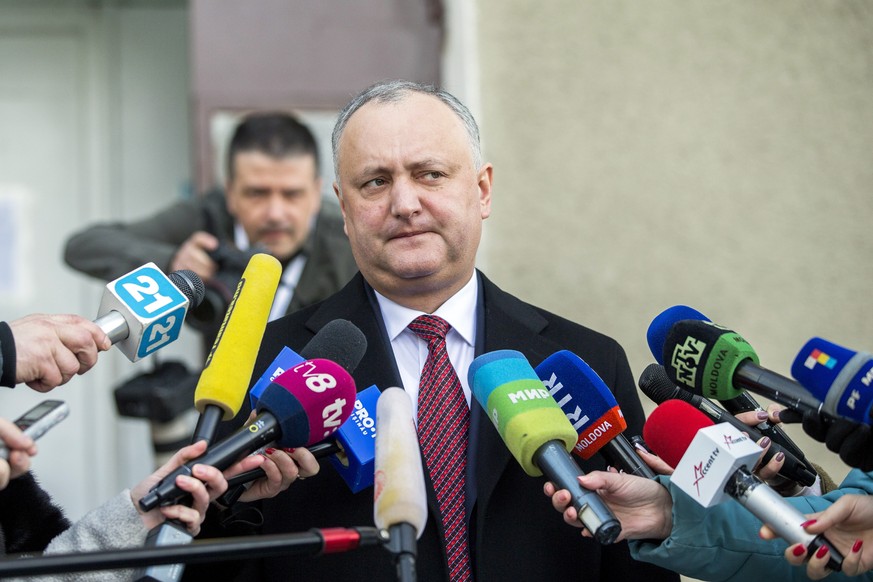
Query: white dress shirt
x,y
410,351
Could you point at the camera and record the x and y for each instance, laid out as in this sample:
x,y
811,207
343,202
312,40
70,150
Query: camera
x,y
232,262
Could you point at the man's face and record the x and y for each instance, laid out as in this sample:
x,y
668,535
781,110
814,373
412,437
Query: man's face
x,y
412,201
275,200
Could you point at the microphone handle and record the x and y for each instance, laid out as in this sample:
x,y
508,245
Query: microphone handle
x,y
560,468
113,325
621,454
221,456
236,484
768,506
753,377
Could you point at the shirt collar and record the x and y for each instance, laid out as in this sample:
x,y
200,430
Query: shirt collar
x,y
459,310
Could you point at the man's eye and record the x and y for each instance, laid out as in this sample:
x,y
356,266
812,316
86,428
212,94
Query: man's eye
x,y
374,183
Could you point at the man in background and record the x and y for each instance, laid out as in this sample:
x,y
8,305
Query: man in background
x,y
272,203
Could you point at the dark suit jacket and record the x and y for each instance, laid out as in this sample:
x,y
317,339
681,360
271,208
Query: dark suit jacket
x,y
514,532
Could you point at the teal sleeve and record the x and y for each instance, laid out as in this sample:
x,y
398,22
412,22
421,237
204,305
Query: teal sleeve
x,y
721,543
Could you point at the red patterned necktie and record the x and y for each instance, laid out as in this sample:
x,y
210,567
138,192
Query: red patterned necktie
x,y
443,417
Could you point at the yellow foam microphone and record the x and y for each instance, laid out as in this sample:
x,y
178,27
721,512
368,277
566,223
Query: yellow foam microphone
x,y
225,378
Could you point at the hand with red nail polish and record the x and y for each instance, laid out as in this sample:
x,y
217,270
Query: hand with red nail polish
x,y
848,526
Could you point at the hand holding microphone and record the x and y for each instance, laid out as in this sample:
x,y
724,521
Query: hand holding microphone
x,y
848,523
303,406
712,463
537,432
842,379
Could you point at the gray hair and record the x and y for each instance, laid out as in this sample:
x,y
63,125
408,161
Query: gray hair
x,y
394,92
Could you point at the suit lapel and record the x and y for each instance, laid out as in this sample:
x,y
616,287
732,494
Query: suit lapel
x,y
514,325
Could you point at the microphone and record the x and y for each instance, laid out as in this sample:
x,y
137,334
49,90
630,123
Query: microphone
x,y
657,336
593,410
655,384
228,369
712,461
303,406
352,452
841,378
143,310
717,362
339,341
537,432
399,498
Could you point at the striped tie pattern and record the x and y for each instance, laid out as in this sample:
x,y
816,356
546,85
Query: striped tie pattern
x,y
443,418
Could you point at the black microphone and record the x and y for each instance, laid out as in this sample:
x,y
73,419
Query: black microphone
x,y
341,342
655,384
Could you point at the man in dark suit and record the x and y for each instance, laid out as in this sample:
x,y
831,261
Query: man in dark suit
x,y
414,192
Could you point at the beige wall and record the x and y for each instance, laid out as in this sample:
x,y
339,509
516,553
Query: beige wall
x,y
715,154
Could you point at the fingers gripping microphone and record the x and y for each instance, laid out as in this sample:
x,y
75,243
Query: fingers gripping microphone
x,y
228,369
593,410
839,377
399,498
304,405
537,432
655,384
712,463
143,310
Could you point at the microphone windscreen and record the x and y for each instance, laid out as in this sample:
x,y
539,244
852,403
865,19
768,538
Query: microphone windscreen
x,y
228,369
660,327
322,389
339,341
839,377
704,357
399,492
671,427
655,384
584,398
524,413
818,364
191,286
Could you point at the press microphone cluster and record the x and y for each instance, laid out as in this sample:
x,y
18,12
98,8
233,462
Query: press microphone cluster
x,y
143,310
666,341
655,384
712,462
592,408
301,407
537,432
351,449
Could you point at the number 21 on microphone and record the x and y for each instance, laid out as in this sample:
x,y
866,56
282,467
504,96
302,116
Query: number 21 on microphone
x,y
155,302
